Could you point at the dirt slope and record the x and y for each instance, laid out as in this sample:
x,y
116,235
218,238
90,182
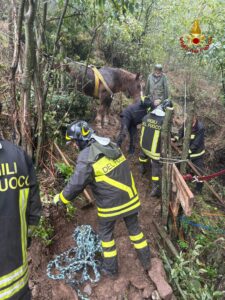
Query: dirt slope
x,y
132,282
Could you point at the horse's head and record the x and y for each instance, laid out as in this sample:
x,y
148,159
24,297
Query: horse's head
x,y
134,89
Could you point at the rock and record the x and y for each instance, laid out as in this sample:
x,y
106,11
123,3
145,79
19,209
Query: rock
x,y
139,282
35,292
63,292
87,289
155,295
135,296
147,292
120,284
158,276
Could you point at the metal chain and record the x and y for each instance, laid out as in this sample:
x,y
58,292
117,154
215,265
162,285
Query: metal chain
x,y
78,259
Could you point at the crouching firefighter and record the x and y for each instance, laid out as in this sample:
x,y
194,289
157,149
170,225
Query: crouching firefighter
x,y
150,143
20,208
102,166
131,116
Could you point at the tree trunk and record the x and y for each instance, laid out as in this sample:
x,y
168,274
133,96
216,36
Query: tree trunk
x,y
166,182
29,66
55,48
17,25
38,83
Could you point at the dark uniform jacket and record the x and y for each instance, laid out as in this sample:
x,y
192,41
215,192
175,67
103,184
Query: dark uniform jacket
x,y
134,113
197,143
157,87
19,207
107,172
150,141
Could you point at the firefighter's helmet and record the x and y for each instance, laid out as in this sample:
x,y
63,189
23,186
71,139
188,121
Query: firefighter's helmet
x,y
79,131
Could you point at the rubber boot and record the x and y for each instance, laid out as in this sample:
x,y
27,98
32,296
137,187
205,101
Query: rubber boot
x,y
198,187
131,149
145,258
142,168
155,190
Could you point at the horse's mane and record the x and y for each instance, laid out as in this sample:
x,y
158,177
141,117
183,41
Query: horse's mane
x,y
124,74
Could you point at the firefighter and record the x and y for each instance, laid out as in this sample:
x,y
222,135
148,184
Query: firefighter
x,y
20,209
197,147
157,85
150,143
103,167
131,116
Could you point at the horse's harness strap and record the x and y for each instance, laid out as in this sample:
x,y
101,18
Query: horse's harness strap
x,y
98,78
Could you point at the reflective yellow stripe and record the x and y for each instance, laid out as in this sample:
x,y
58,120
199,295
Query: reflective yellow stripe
x,y
154,178
118,207
23,197
137,237
116,184
155,156
13,276
84,133
142,133
63,199
110,253
143,160
120,212
14,288
106,165
197,154
133,184
155,141
108,244
140,245
192,136
67,137
189,151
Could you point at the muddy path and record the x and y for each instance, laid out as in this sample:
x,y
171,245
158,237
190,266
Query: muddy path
x,y
132,283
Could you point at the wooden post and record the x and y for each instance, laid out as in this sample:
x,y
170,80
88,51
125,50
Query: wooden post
x,y
165,141
187,135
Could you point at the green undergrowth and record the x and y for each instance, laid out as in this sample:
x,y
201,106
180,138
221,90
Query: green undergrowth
x,y
200,267
44,231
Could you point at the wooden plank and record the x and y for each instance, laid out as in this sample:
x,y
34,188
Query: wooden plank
x,y
191,165
183,194
86,194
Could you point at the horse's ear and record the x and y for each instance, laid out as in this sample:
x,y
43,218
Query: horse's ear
x,y
138,76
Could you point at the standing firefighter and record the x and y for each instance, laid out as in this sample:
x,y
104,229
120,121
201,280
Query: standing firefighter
x,y
20,208
197,147
103,167
150,143
157,86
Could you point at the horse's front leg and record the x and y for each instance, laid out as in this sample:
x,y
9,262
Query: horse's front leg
x,y
107,104
99,117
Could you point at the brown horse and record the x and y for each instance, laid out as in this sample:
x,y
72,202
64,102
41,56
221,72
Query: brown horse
x,y
116,80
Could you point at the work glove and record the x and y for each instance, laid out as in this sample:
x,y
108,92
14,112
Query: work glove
x,y
157,102
56,200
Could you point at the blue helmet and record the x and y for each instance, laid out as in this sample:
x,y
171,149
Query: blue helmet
x,y
79,131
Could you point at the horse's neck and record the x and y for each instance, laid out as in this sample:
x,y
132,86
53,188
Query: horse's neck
x,y
125,79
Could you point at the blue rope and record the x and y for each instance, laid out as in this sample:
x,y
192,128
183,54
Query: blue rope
x,y
78,259
185,220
